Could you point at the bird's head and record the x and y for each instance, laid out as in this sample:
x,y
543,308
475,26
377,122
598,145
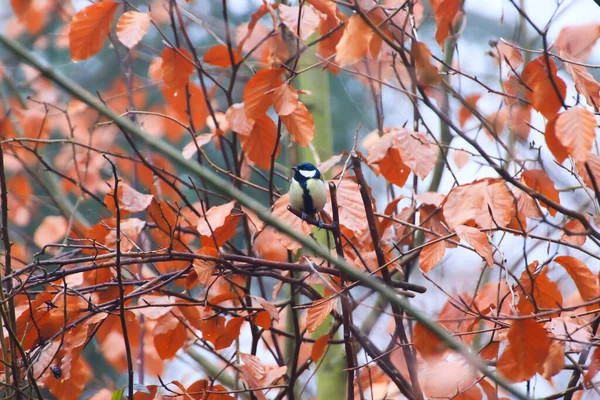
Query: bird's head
x,y
306,171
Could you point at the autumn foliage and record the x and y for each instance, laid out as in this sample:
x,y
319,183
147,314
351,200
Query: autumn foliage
x,y
149,251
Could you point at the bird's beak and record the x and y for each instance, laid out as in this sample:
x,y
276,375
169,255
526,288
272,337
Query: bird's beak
x,y
295,169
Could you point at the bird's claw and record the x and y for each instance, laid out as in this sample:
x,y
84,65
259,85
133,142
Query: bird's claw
x,y
320,223
304,216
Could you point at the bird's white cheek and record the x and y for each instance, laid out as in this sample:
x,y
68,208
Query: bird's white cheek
x,y
296,200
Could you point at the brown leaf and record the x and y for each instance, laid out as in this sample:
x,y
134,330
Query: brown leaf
x,y
268,246
539,181
258,92
576,131
351,208
132,27
89,28
130,200
385,159
300,125
528,347
585,280
285,100
543,95
478,240
53,229
191,148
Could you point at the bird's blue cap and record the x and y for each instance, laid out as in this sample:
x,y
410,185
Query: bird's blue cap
x,y
305,171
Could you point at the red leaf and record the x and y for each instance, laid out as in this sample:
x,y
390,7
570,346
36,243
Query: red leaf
x,y
445,14
285,100
539,181
431,255
585,280
318,312
260,143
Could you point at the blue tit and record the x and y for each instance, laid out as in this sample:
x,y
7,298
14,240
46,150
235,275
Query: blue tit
x,y
308,193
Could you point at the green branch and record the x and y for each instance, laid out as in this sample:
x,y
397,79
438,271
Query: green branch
x,y
229,190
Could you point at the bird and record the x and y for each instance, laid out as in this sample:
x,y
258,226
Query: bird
x,y
308,193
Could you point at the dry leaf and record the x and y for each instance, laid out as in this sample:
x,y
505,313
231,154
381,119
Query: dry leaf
x,y
89,28
132,27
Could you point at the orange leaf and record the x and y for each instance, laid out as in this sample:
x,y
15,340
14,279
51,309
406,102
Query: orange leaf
x,y
464,113
528,347
217,225
268,307
445,13
490,351
546,294
169,336
354,44
52,230
230,333
263,319
285,100
574,233
260,143
21,8
594,163
427,343
89,28
130,200
219,55
594,367
309,20
554,145
508,54
176,68
385,159
351,207
281,213
300,125
258,95
236,117
267,245
416,151
478,240
191,148
317,314
431,255
543,95
555,361
319,347
539,181
427,73
202,272
577,41
576,131
585,280
132,27
585,83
